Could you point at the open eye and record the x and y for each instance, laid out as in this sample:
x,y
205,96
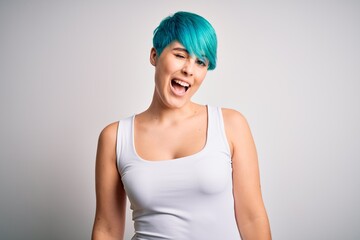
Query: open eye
x,y
201,62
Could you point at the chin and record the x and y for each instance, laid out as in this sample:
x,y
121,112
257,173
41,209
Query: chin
x,y
177,104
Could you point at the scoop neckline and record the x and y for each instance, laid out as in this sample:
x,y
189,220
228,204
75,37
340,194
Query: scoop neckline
x,y
194,155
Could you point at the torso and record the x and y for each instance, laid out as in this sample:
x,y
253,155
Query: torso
x,y
178,191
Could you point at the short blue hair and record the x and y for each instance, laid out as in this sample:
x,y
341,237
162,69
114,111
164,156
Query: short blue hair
x,y
194,32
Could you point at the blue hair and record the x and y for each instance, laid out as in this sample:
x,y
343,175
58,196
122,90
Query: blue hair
x,y
194,32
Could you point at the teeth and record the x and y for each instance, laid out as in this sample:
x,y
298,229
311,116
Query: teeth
x,y
184,84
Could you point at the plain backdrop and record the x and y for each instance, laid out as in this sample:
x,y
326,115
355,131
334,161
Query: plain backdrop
x,y
69,68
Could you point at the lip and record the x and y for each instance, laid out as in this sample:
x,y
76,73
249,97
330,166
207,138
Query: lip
x,y
182,80
176,93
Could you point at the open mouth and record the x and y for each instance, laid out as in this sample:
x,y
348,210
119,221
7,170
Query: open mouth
x,y
180,86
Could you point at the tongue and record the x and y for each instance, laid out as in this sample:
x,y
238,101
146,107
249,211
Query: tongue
x,y
178,89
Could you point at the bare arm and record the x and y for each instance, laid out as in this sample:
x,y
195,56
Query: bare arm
x,y
110,195
250,212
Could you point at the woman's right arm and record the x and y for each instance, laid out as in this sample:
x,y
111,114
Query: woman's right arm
x,y
109,220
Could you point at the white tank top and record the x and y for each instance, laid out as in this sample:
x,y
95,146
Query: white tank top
x,y
188,198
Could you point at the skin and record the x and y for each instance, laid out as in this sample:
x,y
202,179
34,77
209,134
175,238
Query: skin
x,y
177,124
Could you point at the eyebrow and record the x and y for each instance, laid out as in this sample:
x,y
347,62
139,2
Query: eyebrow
x,y
180,49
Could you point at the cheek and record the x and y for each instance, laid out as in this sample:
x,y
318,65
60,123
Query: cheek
x,y
167,68
161,72
201,77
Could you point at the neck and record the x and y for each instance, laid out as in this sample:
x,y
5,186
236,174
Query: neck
x,y
158,111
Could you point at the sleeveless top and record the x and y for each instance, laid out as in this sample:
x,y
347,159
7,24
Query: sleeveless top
x,y
187,198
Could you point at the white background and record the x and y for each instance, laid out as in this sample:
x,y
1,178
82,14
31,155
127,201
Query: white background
x,y
68,68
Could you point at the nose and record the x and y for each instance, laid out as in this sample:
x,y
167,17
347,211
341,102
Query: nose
x,y
188,68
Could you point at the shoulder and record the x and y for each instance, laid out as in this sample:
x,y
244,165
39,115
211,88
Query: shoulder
x,y
108,135
237,129
234,119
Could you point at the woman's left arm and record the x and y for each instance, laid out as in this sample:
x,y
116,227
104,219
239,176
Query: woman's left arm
x,y
251,216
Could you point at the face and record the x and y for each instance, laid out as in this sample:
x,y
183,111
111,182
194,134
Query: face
x,y
178,75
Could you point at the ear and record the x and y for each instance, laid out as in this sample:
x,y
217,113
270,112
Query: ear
x,y
153,56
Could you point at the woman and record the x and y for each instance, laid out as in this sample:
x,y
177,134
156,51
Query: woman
x,y
190,171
